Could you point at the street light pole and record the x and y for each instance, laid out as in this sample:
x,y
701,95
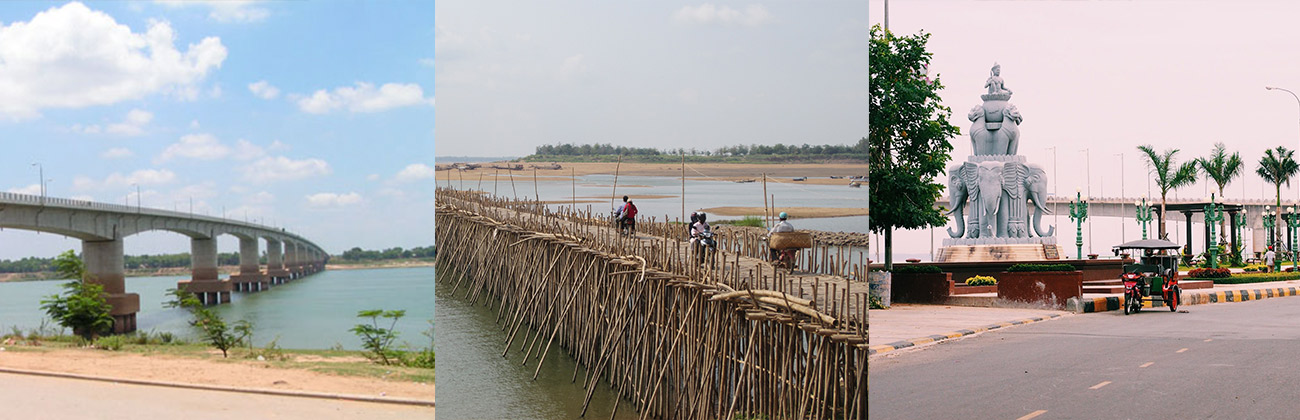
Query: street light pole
x,y
1293,95
41,180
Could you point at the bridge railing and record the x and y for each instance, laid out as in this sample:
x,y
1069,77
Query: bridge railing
x,y
68,203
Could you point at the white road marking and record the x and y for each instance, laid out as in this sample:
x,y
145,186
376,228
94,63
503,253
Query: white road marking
x,y
1032,415
1147,364
1181,350
1104,383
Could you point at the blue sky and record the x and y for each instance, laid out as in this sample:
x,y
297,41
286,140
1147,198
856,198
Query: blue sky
x,y
314,116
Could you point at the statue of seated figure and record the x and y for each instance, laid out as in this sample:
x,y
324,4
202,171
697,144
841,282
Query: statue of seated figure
x,y
995,83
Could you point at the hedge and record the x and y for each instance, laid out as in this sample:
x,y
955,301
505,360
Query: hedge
x,y
916,269
1040,267
1209,273
1256,278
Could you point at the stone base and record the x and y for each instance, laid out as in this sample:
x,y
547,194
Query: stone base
x,y
998,253
250,282
125,305
209,292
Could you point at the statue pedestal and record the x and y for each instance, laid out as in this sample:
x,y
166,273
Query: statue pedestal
x,y
998,249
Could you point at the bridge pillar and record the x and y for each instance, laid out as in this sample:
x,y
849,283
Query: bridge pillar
x,y
250,277
275,262
106,266
291,259
205,283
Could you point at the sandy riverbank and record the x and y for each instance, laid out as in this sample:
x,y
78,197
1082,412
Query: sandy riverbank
x,y
776,173
793,212
240,373
381,264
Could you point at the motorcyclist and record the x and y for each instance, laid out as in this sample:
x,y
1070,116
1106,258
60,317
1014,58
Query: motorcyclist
x,y
699,226
782,226
625,214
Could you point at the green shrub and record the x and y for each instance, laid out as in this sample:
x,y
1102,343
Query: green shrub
x,y
981,281
83,307
378,341
1020,268
875,302
916,269
751,221
110,343
1209,273
1258,278
214,329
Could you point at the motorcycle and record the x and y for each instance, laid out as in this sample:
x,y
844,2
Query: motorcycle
x,y
705,245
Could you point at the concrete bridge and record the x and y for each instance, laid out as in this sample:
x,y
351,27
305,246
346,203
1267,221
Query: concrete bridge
x,y
102,227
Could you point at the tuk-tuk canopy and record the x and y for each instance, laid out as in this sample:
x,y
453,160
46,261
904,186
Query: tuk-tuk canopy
x,y
1148,244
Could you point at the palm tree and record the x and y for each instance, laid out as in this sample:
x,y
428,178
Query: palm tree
x,y
1277,167
1222,169
1167,176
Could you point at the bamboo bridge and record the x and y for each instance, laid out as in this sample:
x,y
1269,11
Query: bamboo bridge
x,y
680,340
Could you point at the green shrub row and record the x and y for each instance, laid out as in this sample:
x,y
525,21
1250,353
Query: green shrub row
x,y
1257,278
916,269
1039,267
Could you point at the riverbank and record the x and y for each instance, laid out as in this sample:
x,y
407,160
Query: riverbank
x,y
792,212
817,173
225,269
325,371
367,265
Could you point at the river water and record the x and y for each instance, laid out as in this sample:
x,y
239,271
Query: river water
x,y
315,312
475,382
699,194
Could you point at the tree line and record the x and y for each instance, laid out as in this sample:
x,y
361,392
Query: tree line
x,y
826,150
132,262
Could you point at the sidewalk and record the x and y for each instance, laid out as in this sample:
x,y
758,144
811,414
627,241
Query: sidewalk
x,y
908,325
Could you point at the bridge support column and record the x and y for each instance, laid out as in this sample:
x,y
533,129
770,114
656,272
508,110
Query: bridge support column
x,y
291,259
106,266
275,262
250,277
205,283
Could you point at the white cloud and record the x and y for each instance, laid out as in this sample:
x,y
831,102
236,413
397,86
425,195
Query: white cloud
x,y
117,153
262,197
264,90
415,172
281,168
427,62
133,125
34,189
707,13
226,11
333,199
372,177
244,150
573,66
364,98
277,146
195,146
118,180
72,57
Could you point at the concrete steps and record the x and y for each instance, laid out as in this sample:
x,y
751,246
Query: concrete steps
x,y
989,253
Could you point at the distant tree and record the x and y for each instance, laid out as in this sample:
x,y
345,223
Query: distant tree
x,y
909,134
1169,176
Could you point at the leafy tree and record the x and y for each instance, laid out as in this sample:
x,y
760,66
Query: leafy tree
x,y
1277,167
378,340
909,136
214,329
1222,169
1168,177
83,306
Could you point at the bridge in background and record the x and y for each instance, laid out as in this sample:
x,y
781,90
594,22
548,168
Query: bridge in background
x,y
101,227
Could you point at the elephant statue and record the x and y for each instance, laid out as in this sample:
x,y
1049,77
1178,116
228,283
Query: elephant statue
x,y
995,128
989,201
1012,220
1036,190
963,187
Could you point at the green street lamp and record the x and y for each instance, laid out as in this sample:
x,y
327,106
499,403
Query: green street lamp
x,y
1143,214
1212,217
1238,223
1293,227
1078,213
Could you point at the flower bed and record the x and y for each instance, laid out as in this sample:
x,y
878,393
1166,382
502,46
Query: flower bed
x,y
1209,273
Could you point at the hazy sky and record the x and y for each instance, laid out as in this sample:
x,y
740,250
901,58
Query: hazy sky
x,y
1108,76
316,116
665,74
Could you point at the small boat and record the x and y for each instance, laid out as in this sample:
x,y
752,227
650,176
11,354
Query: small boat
x,y
855,184
745,181
837,177
802,178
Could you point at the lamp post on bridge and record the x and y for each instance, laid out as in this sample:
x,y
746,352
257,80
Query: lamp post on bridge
x,y
1212,217
1143,215
41,180
1078,213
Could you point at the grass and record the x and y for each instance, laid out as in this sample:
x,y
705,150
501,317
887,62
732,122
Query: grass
x,y
1254,278
749,221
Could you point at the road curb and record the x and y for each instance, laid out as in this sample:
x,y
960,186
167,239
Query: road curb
x,y
886,348
262,391
1112,303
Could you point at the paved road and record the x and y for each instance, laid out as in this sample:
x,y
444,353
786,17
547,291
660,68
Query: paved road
x,y
1221,361
38,397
